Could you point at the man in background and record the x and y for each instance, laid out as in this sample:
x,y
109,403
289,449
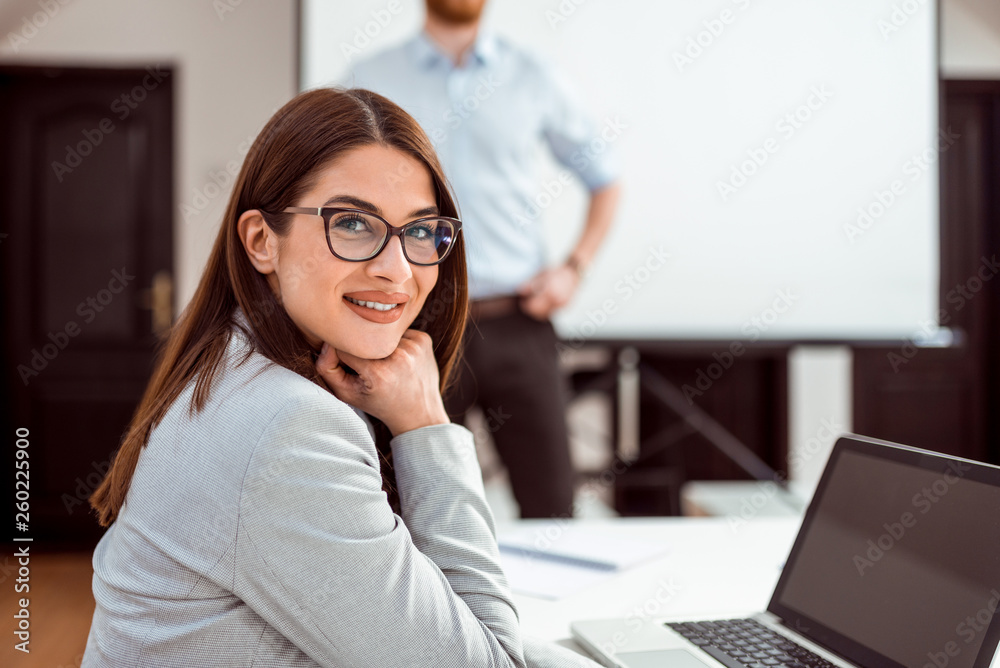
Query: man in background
x,y
487,105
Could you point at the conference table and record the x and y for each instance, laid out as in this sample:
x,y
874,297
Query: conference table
x,y
712,567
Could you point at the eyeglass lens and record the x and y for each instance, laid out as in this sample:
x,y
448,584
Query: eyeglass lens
x,y
356,236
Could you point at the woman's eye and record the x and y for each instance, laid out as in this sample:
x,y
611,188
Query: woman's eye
x,y
352,224
420,233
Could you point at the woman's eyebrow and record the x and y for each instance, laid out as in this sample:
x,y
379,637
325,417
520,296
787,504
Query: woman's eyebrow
x,y
359,203
427,211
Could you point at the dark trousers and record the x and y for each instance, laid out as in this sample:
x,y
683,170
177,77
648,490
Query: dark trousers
x,y
511,371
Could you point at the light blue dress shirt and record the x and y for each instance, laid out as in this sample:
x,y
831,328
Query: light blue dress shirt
x,y
487,120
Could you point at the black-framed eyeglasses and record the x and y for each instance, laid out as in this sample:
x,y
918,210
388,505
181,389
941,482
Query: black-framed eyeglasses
x,y
355,235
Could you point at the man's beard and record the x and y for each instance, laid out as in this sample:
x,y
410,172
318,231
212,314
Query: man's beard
x,y
459,12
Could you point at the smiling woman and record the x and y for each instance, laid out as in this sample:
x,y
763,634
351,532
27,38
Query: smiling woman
x,y
290,487
362,299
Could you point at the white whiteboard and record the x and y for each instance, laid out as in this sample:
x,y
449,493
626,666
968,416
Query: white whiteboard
x,y
782,254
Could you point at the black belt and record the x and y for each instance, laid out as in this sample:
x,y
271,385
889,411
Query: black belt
x,y
494,307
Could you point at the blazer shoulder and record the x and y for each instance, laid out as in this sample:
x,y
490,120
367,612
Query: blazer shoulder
x,y
279,395
252,391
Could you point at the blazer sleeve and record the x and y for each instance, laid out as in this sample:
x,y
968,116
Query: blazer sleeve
x,y
323,559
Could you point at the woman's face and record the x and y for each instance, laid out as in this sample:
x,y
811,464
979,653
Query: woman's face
x,y
320,292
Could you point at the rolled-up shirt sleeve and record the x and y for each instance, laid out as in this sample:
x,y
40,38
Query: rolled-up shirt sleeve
x,y
323,559
586,147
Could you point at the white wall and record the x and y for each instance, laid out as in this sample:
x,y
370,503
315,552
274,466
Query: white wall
x,y
235,65
970,39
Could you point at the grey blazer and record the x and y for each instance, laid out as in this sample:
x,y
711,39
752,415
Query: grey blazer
x,y
256,533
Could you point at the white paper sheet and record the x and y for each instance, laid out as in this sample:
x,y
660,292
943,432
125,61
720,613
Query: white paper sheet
x,y
551,561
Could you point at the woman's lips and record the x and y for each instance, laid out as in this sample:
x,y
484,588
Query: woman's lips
x,y
379,300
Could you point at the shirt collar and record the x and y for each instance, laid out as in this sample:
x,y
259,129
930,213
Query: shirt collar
x,y
485,50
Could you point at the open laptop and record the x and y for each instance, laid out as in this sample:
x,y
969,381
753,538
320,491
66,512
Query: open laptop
x,y
897,563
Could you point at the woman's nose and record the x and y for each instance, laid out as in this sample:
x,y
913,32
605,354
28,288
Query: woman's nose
x,y
391,264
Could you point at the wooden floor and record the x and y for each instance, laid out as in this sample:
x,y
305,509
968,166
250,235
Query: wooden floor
x,y
61,606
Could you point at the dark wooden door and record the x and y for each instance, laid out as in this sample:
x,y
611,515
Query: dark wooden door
x,y
948,399
86,205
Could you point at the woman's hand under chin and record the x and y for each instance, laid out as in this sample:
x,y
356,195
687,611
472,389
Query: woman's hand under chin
x,y
401,390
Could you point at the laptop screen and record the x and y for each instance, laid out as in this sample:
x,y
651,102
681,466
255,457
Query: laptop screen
x,y
898,559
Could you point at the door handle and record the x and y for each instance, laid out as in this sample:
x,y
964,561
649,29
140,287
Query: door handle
x,y
158,298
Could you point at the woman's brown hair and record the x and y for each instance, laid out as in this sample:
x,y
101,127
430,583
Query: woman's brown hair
x,y
305,135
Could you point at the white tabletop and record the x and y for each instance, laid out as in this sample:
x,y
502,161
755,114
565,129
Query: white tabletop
x,y
714,567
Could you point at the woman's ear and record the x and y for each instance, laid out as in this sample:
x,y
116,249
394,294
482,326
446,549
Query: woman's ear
x,y
259,240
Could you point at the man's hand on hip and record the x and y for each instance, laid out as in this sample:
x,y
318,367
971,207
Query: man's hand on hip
x,y
548,291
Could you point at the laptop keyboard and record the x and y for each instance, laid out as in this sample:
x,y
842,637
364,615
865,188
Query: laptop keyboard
x,y
745,643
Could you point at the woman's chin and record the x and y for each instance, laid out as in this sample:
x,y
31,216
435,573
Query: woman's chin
x,y
372,350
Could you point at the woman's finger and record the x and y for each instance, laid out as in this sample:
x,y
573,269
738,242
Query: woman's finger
x,y
329,368
419,340
327,358
360,365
